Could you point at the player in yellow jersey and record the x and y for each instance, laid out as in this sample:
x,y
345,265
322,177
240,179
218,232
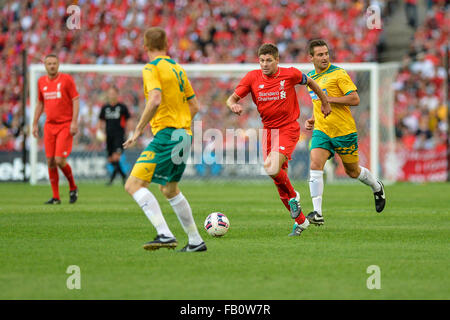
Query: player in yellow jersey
x,y
170,106
335,133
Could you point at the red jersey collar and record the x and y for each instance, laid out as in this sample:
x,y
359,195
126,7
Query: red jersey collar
x,y
56,78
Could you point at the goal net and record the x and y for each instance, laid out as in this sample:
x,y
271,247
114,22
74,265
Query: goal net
x,y
225,146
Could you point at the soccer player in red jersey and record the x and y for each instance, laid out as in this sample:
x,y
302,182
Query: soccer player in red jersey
x,y
58,98
273,91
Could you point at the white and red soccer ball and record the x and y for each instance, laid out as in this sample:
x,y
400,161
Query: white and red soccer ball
x,y
216,224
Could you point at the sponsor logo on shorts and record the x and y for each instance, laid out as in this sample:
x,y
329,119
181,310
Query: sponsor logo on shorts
x,y
147,155
347,150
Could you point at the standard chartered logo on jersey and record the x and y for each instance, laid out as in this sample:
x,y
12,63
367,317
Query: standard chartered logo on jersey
x,y
270,96
53,94
273,95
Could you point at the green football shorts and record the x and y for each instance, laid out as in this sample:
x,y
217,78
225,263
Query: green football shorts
x,y
164,159
346,146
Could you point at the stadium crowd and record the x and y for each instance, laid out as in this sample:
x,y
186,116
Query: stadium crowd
x,y
208,32
199,31
420,106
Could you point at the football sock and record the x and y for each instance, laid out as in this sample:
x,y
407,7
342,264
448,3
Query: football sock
x,y
317,204
366,177
148,203
282,181
54,181
316,189
184,213
301,218
286,203
67,170
283,196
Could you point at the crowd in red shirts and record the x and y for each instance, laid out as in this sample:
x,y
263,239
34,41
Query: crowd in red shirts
x,y
199,31
420,106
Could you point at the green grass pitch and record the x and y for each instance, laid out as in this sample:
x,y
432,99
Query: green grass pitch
x,y
104,231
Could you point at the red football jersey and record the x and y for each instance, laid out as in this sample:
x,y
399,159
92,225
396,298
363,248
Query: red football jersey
x,y
57,95
274,95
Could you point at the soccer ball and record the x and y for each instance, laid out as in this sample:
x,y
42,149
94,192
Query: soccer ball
x,y
216,224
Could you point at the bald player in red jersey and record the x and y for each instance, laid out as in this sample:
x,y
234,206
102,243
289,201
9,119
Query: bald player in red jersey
x,y
273,91
58,98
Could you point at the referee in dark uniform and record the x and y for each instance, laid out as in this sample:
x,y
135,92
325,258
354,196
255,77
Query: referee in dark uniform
x,y
114,115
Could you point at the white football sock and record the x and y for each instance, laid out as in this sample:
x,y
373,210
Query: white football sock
x,y
366,177
184,213
305,224
148,203
316,189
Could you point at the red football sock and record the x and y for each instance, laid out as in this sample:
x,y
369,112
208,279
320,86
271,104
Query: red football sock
x,y
54,181
286,203
282,181
67,170
283,196
300,219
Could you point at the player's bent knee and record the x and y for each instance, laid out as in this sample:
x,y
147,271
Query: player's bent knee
x,y
317,164
352,173
133,184
60,162
169,191
51,162
129,187
272,168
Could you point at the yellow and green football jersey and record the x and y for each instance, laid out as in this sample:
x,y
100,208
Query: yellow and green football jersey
x,y
335,82
169,77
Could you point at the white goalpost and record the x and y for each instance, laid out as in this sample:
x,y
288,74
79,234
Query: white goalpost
x,y
374,82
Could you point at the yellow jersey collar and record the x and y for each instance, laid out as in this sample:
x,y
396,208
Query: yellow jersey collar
x,y
329,65
160,57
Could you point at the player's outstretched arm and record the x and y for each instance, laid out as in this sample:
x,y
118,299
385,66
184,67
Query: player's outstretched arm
x,y
37,115
351,99
232,103
326,108
149,111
